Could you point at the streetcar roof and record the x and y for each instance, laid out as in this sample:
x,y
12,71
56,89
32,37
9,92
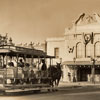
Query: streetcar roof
x,y
12,50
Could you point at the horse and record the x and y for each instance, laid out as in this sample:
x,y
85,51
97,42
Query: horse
x,y
55,73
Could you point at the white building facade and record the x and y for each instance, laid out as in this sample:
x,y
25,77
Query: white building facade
x,y
79,49
56,47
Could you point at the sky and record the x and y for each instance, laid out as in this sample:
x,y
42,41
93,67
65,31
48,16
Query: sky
x,y
36,20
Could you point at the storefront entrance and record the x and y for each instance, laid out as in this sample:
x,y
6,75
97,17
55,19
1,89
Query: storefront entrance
x,y
83,72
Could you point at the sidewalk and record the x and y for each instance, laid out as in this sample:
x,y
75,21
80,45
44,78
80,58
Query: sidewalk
x,y
78,84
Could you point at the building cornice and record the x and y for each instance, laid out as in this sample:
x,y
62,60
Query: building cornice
x,y
56,39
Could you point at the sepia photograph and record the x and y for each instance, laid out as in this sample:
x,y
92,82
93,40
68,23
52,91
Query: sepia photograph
x,y
49,49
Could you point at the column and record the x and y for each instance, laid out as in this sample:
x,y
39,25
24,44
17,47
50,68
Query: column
x,y
65,73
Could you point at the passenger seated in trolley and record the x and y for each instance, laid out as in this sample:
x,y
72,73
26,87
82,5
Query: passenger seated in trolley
x,y
32,77
26,72
21,63
10,64
10,73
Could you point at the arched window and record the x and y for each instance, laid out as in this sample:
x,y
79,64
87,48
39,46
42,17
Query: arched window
x,y
97,49
79,50
88,50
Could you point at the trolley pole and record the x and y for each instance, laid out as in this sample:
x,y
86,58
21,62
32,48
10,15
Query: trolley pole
x,y
39,63
17,59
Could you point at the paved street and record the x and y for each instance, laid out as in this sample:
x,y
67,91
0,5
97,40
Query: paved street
x,y
79,93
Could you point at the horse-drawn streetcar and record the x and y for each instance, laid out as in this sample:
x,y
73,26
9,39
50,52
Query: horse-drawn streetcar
x,y
20,71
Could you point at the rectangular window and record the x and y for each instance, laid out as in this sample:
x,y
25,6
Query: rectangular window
x,y
56,52
97,49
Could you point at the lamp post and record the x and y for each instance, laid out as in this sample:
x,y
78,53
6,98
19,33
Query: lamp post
x,y
74,80
93,70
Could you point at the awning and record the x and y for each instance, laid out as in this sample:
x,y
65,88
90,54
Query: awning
x,y
80,63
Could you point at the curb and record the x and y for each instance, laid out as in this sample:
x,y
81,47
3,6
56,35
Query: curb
x,y
86,86
78,85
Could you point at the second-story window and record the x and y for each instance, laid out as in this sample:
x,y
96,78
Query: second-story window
x,y
56,52
79,50
97,49
88,50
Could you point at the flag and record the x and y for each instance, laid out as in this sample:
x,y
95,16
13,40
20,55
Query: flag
x,y
92,37
71,49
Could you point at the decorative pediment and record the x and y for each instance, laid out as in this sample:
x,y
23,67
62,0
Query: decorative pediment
x,y
84,19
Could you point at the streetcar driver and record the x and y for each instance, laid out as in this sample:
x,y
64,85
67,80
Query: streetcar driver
x,y
43,68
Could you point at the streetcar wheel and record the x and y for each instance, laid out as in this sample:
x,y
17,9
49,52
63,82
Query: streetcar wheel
x,y
53,90
37,91
48,90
